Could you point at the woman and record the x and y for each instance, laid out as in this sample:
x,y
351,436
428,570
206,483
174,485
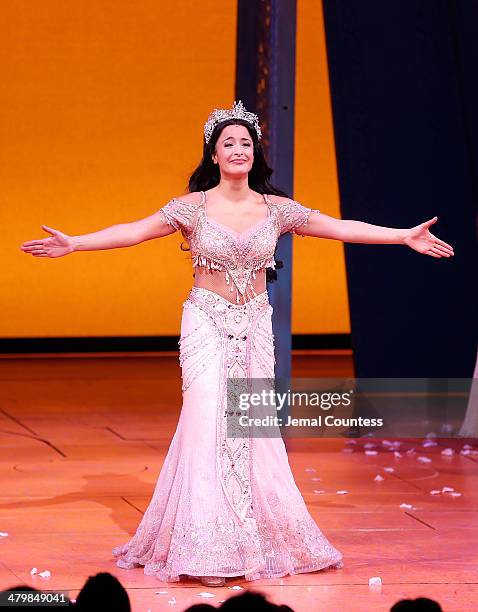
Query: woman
x,y
228,506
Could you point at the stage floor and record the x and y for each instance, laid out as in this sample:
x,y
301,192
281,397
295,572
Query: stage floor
x,y
82,441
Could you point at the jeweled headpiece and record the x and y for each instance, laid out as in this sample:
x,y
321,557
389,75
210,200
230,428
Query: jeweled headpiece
x,y
236,112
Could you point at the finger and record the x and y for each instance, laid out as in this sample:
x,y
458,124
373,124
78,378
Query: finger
x,y
439,253
30,250
430,222
432,253
32,242
443,243
437,242
439,249
49,229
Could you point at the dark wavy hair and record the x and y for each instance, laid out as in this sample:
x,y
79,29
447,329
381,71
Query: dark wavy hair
x,y
207,174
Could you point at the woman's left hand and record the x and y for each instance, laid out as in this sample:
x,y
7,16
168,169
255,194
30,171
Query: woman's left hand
x,y
422,240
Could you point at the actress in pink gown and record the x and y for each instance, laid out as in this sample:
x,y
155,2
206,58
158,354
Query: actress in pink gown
x,y
227,506
224,506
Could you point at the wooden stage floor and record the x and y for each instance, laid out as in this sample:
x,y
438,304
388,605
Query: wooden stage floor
x,y
82,443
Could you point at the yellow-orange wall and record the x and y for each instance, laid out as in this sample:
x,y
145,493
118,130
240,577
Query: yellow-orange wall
x,y
102,111
104,104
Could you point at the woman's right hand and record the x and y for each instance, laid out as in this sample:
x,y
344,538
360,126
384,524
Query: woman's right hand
x,y
56,245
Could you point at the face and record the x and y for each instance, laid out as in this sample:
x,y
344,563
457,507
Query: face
x,y
234,150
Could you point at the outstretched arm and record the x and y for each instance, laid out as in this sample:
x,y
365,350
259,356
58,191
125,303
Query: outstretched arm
x,y
116,236
418,238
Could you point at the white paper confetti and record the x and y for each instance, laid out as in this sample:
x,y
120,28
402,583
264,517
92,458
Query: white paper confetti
x,y
424,459
3,534
455,494
374,581
161,592
389,469
310,470
408,506
205,594
236,588
379,478
467,446
369,445
448,451
397,454
319,491
410,451
371,453
435,492
342,492
347,450
447,489
466,451
172,601
45,574
315,478
428,443
33,571
387,443
351,442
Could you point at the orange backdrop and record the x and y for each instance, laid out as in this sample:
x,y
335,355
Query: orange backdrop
x,y
103,105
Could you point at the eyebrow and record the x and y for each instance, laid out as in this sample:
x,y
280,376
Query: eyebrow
x,y
242,138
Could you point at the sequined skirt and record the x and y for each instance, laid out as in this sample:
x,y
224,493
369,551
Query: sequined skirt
x,y
225,506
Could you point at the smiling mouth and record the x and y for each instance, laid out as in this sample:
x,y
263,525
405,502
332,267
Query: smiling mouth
x,y
238,161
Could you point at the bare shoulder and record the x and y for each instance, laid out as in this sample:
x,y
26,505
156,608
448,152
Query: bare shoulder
x,y
194,197
281,200
275,199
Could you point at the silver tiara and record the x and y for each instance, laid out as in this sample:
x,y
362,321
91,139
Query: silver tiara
x,y
236,112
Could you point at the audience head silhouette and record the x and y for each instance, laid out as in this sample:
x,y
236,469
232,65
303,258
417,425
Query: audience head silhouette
x,y
421,604
103,592
252,602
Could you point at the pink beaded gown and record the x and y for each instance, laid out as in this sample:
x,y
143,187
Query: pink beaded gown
x,y
225,506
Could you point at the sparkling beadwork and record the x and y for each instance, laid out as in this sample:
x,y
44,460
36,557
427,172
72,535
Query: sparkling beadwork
x,y
240,256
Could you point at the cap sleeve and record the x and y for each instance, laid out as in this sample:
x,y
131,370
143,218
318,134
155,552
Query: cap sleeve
x,y
293,215
180,215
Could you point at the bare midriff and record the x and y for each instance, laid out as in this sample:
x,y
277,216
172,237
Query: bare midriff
x,y
215,281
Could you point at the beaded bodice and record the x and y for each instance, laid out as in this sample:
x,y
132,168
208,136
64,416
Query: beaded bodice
x,y
238,254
